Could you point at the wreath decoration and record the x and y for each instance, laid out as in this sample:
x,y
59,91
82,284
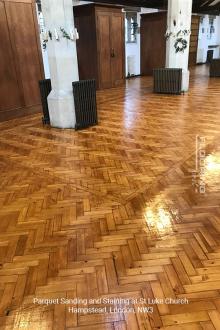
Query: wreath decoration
x,y
180,45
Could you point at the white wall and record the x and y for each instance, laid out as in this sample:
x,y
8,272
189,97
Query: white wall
x,y
134,49
204,39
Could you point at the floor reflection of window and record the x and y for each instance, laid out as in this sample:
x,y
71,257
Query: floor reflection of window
x,y
160,218
212,172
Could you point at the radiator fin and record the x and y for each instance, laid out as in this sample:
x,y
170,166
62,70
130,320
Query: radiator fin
x,y
45,89
215,68
84,92
168,81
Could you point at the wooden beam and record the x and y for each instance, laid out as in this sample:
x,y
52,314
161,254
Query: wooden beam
x,y
199,6
157,4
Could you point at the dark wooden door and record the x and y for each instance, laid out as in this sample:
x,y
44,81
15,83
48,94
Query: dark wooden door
x,y
111,47
117,49
9,86
153,42
104,49
101,46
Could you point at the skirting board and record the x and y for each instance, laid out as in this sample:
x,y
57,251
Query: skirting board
x,y
19,112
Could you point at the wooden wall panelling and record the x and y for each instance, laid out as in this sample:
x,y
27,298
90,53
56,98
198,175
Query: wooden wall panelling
x,y
87,43
22,27
23,53
9,85
194,40
153,43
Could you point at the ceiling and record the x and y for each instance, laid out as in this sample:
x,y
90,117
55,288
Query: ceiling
x,y
199,6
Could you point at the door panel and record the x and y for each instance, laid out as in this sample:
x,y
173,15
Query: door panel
x,y
9,89
153,43
103,23
117,49
23,35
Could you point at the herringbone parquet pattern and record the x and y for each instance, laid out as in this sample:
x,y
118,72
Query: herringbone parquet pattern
x,y
110,212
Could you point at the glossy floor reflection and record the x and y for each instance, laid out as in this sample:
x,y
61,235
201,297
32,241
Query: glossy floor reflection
x,y
212,171
159,217
114,212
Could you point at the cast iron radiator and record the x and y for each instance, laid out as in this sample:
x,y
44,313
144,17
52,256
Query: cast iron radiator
x,y
168,81
45,89
84,92
215,68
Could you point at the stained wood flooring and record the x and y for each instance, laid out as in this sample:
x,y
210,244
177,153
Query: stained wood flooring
x,y
111,212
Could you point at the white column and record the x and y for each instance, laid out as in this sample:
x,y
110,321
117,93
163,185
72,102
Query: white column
x,y
63,62
178,19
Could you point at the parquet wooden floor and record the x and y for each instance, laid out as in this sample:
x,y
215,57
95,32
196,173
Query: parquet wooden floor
x,y
111,213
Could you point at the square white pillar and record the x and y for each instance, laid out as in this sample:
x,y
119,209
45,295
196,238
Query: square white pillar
x,y
178,28
62,56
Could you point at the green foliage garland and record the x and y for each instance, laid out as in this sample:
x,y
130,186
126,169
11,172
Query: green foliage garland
x,y
65,34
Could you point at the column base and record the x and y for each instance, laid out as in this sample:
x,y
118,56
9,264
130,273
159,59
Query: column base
x,y
185,80
61,109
